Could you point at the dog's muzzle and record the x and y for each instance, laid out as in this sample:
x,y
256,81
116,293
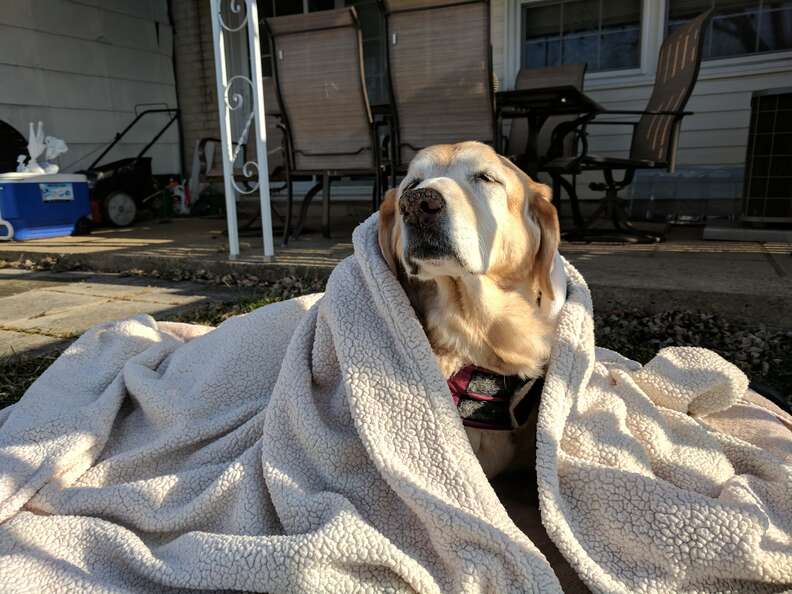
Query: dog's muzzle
x,y
422,207
425,217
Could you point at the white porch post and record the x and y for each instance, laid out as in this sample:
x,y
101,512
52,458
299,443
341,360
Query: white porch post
x,y
228,102
254,46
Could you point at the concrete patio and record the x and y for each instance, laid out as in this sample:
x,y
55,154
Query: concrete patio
x,y
41,309
747,281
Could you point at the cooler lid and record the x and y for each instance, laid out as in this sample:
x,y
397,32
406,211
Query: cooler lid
x,y
33,178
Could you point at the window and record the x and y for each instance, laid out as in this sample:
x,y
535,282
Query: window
x,y
738,28
768,184
604,34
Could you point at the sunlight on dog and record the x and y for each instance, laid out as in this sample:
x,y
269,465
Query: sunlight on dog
x,y
474,243
472,240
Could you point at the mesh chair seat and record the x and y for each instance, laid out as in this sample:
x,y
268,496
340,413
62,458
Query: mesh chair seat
x,y
538,78
440,72
321,90
318,62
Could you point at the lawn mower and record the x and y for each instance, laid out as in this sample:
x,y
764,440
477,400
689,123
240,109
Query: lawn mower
x,y
119,189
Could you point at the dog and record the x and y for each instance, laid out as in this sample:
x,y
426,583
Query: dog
x,y
474,243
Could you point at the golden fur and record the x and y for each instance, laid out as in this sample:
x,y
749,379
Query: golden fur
x,y
483,306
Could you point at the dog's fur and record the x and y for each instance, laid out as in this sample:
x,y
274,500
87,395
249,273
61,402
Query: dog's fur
x,y
480,284
477,272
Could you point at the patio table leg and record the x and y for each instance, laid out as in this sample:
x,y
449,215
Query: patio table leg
x,y
304,208
287,222
326,205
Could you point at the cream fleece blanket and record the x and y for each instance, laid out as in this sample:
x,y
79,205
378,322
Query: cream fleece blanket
x,y
312,446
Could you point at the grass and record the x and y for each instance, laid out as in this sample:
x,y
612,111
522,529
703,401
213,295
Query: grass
x,y
17,373
764,354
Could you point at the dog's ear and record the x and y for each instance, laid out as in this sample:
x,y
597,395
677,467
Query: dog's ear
x,y
539,208
386,231
544,213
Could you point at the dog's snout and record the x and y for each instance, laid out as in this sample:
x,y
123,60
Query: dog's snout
x,y
421,206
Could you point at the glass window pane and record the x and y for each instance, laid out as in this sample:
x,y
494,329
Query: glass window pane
x,y
775,26
684,10
581,49
284,7
538,54
733,34
315,5
541,21
620,42
621,49
581,16
541,44
581,24
604,35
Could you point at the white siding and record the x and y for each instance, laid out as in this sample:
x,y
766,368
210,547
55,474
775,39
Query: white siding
x,y
81,66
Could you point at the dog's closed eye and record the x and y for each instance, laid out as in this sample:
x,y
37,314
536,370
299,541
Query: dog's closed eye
x,y
486,177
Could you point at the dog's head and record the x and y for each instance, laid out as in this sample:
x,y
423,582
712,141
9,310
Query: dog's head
x,y
462,209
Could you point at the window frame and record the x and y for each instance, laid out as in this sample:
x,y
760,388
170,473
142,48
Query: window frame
x,y
525,3
653,27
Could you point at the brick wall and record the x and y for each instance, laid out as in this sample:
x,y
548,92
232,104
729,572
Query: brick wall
x,y
195,75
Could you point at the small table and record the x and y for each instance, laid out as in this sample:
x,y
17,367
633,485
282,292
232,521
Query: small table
x,y
536,105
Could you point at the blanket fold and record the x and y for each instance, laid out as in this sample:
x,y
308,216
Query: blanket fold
x,y
313,446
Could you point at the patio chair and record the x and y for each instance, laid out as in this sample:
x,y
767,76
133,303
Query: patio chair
x,y
538,78
440,72
318,68
565,145
654,140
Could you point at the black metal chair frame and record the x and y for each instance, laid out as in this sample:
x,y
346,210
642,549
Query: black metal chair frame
x,y
612,205
326,175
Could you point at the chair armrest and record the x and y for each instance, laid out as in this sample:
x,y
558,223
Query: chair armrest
x,y
644,112
611,123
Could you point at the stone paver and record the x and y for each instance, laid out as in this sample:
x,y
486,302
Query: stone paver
x,y
39,309
17,342
39,303
75,320
13,280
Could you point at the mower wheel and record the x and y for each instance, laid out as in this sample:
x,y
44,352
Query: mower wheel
x,y
120,209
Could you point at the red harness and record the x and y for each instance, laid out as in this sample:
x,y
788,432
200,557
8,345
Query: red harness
x,y
482,397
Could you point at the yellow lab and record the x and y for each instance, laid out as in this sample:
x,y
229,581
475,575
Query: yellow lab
x,y
474,242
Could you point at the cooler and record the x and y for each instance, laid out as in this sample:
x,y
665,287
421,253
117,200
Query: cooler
x,y
36,206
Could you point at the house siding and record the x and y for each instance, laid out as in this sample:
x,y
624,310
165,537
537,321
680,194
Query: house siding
x,y
81,67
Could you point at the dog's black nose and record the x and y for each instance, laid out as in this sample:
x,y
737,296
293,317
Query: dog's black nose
x,y
421,206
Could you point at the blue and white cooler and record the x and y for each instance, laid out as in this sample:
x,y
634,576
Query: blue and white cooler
x,y
34,206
